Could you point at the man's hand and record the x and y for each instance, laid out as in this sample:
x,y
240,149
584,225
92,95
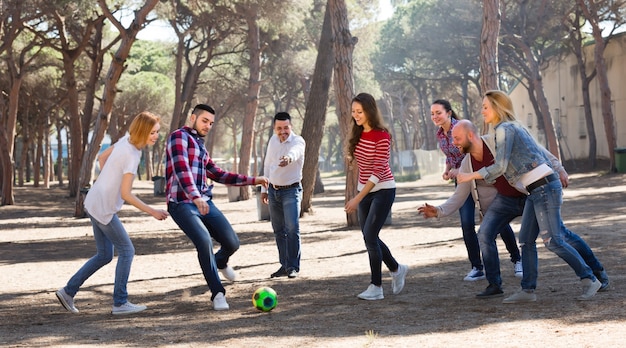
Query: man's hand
x,y
564,177
429,211
264,198
284,161
202,205
261,180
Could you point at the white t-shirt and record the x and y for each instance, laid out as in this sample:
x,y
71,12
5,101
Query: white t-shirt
x,y
104,198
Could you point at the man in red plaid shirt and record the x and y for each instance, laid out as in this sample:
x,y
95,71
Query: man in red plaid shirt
x,y
189,199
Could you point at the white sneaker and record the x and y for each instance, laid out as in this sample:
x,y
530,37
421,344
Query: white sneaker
x,y
219,302
397,278
520,297
589,289
474,275
518,269
127,308
228,273
373,292
66,300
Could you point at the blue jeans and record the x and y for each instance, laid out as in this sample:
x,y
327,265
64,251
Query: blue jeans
x,y
373,211
501,212
107,237
284,207
201,229
542,217
468,226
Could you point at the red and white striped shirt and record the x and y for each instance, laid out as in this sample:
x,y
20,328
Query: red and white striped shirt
x,y
372,156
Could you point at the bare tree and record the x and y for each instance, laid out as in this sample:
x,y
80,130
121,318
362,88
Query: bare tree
x,y
576,42
531,34
595,11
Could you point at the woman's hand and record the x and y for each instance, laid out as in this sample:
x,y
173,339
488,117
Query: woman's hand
x,y
464,177
352,205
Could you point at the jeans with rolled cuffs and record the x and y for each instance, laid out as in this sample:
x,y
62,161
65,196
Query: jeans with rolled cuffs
x,y
201,229
373,211
542,218
501,212
107,237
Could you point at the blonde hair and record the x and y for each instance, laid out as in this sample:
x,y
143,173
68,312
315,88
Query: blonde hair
x,y
140,128
502,105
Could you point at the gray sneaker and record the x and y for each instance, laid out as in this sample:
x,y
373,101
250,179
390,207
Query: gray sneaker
x,y
603,278
127,308
66,300
521,296
397,278
372,293
589,289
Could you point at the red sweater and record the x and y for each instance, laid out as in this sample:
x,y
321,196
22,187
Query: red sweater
x,y
372,155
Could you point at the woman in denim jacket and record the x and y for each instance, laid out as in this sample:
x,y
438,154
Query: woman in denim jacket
x,y
525,166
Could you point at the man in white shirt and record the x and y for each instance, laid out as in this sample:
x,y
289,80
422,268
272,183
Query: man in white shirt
x,y
283,166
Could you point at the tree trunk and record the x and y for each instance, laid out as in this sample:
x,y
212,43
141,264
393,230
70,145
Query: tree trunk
x,y
590,10
7,142
552,143
343,44
75,155
489,48
38,158
252,102
591,131
315,113
59,159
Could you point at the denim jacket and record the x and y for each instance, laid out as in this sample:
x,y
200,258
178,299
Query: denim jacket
x,y
517,153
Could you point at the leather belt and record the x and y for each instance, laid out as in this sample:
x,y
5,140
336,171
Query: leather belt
x,y
542,182
282,187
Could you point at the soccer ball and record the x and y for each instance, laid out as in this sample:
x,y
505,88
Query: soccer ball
x,y
264,299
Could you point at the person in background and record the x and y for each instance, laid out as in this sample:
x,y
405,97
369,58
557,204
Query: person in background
x,y
104,200
190,199
370,146
444,117
525,166
499,203
283,166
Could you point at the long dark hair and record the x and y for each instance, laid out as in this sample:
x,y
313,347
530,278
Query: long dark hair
x,y
374,118
446,105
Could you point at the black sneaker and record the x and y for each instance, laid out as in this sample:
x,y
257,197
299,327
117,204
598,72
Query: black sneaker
x,y
280,273
492,291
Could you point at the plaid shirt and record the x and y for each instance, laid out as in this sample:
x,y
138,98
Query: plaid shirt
x,y
188,166
453,154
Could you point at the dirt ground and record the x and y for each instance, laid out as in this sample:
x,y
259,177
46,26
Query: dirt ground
x,y
42,245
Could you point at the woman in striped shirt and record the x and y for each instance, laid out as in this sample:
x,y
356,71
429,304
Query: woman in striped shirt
x,y
370,145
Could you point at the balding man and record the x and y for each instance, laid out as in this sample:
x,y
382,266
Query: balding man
x,y
500,204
